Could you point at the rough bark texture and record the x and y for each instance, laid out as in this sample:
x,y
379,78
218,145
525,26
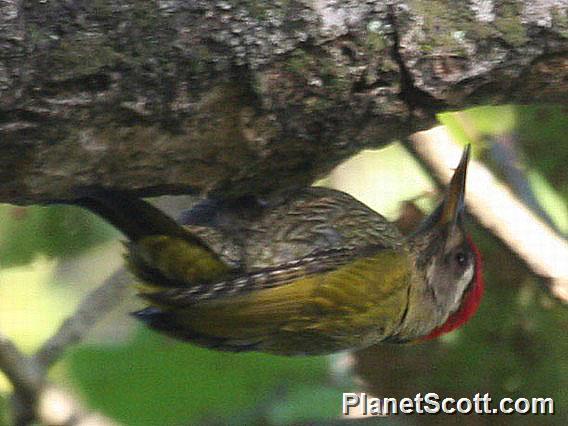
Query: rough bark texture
x,y
247,96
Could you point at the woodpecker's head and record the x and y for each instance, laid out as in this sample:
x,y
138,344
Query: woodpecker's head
x,y
447,258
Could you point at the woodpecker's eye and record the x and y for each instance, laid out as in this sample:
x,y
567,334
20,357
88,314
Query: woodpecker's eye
x,y
460,258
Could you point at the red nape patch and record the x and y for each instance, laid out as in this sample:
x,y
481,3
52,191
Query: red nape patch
x,y
471,299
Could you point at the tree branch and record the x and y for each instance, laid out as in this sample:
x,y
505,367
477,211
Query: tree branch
x,y
92,308
212,97
33,398
21,370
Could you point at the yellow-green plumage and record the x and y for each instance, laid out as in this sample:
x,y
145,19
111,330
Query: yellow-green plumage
x,y
176,259
322,273
354,305
327,312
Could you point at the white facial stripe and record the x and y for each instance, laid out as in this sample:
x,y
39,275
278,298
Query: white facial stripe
x,y
464,281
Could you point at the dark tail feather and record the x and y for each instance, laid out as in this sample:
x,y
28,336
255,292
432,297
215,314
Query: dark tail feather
x,y
166,322
132,216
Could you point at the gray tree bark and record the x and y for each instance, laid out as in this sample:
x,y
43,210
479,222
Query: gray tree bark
x,y
236,97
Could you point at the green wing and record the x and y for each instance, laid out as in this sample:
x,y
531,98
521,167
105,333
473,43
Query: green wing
x,y
354,305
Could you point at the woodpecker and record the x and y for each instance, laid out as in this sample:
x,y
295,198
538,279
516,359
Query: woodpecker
x,y
315,273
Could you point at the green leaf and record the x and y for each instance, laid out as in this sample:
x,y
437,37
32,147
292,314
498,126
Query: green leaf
x,y
154,380
55,231
4,413
308,403
550,200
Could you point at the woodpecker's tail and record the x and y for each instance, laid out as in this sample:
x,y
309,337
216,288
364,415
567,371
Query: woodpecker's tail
x,y
161,253
134,217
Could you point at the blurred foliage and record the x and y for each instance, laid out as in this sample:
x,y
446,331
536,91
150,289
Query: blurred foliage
x,y
56,231
31,287
536,139
153,381
376,178
515,346
4,418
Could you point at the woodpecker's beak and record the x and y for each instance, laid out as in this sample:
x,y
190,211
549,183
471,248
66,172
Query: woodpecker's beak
x,y
454,201
450,210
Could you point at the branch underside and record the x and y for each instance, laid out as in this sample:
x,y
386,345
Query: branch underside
x,y
212,97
